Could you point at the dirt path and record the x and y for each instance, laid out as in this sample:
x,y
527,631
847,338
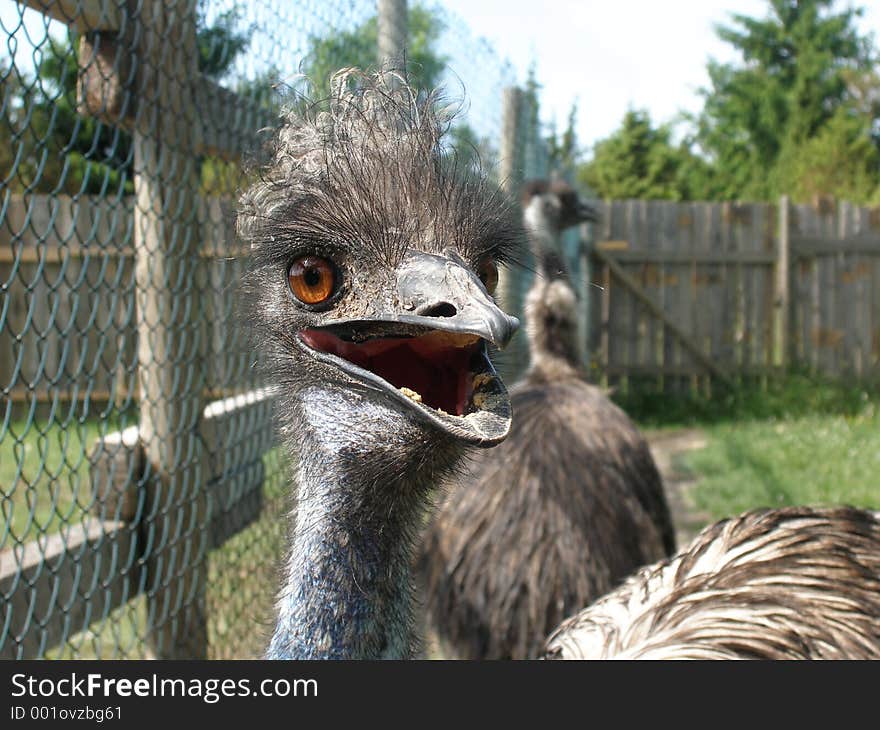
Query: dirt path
x,y
679,483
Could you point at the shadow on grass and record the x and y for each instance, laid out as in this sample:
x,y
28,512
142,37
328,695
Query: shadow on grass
x,y
797,393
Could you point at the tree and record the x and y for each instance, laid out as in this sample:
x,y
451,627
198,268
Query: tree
x,y
638,161
425,65
56,149
841,160
358,47
791,83
564,152
221,42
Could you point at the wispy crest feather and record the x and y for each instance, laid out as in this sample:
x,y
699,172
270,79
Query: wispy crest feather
x,y
366,169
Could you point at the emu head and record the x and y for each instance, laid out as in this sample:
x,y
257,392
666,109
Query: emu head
x,y
374,260
550,207
554,204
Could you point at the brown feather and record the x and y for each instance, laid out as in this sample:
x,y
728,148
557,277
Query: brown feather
x,y
563,510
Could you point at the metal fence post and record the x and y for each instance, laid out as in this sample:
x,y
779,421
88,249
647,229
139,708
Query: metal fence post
x,y
392,29
170,374
510,281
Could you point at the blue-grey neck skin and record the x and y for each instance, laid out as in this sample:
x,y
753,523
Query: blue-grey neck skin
x,y
364,477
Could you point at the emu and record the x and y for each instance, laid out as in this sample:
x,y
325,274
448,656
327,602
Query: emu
x,y
567,507
792,583
370,297
373,259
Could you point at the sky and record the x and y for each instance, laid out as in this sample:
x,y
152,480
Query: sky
x,y
611,56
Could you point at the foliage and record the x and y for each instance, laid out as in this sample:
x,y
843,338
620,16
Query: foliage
x,y
358,48
796,394
638,161
798,114
221,42
49,148
799,67
564,151
469,150
841,160
341,49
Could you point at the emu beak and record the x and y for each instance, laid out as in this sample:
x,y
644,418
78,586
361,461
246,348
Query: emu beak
x,y
586,213
426,349
443,293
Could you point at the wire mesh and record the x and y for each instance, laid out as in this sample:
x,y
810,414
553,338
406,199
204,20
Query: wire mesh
x,y
142,492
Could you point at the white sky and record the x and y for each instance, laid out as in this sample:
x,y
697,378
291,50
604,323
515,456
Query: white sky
x,y
617,54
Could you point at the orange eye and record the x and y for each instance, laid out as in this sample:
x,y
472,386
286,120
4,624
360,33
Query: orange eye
x,y
488,273
312,279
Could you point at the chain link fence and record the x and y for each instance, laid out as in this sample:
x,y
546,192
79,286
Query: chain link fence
x,y
142,493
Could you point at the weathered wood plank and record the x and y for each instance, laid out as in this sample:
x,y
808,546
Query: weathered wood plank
x,y
236,431
53,253
685,372
781,273
683,337
170,375
830,244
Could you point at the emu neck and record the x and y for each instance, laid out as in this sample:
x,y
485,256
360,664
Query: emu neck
x,y
347,592
551,307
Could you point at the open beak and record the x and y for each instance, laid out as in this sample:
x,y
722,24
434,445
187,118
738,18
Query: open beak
x,y
428,349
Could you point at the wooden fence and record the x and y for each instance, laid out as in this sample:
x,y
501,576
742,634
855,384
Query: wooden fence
x,y
681,292
68,325
685,293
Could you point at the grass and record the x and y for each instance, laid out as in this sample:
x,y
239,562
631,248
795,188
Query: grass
x,y
44,473
815,459
44,484
799,440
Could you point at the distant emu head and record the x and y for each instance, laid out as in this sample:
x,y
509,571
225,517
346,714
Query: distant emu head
x,y
553,206
549,208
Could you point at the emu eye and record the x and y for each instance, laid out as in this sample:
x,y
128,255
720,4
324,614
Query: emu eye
x,y
312,279
488,273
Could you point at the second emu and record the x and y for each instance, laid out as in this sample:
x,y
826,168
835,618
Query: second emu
x,y
567,507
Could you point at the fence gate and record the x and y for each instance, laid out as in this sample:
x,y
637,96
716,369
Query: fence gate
x,y
686,293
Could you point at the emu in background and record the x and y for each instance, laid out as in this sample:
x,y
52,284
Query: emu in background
x,y
567,507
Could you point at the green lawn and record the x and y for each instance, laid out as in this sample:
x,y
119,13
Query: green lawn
x,y
44,483
812,459
44,475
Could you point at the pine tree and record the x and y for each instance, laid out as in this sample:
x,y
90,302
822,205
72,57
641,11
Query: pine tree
x,y
792,82
636,161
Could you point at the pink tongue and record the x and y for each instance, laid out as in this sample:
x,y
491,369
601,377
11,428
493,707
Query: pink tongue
x,y
431,365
